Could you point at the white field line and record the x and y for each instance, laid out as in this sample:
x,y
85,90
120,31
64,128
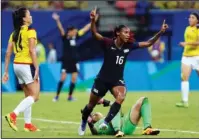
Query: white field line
x,y
76,123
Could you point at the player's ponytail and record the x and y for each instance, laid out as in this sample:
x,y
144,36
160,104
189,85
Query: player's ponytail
x,y
17,17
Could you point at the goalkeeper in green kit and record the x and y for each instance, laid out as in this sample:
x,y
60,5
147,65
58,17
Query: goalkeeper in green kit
x,y
124,124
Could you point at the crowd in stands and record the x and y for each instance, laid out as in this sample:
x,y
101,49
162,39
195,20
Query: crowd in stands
x,y
45,5
140,7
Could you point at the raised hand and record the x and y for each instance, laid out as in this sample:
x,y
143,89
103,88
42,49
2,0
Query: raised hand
x,y
164,26
5,77
55,16
93,14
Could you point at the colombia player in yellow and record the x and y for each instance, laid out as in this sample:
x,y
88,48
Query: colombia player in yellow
x,y
22,41
190,59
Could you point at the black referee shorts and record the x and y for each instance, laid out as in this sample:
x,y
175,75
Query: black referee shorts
x,y
100,87
69,66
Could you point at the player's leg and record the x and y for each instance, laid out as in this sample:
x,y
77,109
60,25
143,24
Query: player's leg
x,y
99,89
61,83
185,73
25,75
28,113
142,109
196,65
72,86
119,92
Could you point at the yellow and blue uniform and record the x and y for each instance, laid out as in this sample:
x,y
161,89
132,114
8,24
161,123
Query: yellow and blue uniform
x,y
191,35
23,64
21,47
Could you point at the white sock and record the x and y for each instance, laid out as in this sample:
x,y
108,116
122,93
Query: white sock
x,y
27,115
185,90
24,104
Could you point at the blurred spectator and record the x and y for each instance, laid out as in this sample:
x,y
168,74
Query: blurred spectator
x,y
157,50
41,52
52,55
171,5
48,5
4,5
71,4
159,4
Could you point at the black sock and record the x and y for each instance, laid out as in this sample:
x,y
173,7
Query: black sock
x,y
60,84
85,113
115,108
106,103
71,89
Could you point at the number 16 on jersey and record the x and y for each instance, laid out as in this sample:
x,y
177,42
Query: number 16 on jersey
x,y
119,60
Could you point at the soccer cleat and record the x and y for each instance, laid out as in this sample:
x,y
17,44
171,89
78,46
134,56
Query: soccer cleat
x,y
55,99
11,119
30,128
182,104
150,131
71,99
103,126
82,128
119,134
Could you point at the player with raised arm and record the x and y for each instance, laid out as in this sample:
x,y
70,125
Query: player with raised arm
x,y
124,124
190,58
110,76
69,61
23,41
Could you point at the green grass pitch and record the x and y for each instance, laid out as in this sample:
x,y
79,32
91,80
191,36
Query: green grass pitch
x,y
61,119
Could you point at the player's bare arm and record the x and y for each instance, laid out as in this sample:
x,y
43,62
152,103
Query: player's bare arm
x,y
93,17
56,17
189,43
155,37
7,61
32,43
87,26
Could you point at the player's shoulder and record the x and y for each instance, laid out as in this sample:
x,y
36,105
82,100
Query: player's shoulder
x,y
107,41
31,29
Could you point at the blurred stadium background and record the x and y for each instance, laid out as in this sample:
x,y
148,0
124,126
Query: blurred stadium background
x,y
143,17
142,72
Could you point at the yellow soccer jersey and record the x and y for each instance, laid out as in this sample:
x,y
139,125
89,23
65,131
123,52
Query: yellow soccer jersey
x,y
21,47
191,35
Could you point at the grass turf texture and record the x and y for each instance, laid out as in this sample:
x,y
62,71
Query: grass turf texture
x,y
165,115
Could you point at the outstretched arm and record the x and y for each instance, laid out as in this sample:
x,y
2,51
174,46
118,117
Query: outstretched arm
x,y
155,37
7,61
190,43
56,17
93,17
86,27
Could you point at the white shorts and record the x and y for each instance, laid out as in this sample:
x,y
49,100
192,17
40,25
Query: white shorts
x,y
25,73
191,61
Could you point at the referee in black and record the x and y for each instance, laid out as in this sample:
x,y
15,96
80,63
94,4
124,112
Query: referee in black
x,y
69,62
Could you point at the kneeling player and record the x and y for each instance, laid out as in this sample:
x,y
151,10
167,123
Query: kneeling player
x,y
124,124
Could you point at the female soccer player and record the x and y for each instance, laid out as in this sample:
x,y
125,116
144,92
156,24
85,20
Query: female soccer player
x,y
69,62
190,58
110,76
23,41
125,124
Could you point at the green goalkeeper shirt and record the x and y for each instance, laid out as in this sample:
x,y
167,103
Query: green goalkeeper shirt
x,y
113,126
